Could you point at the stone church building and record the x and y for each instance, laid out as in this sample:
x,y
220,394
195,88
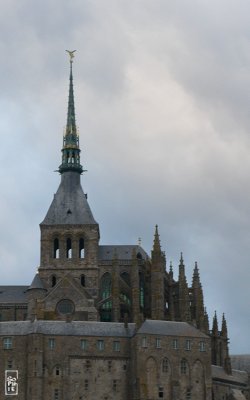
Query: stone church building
x,y
107,322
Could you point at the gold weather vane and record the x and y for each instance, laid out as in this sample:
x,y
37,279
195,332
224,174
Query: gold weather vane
x,y
71,54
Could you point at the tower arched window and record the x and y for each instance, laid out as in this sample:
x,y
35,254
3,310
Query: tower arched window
x,y
56,250
81,248
83,280
53,281
68,248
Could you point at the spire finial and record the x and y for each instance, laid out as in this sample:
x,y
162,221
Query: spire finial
x,y
71,150
71,54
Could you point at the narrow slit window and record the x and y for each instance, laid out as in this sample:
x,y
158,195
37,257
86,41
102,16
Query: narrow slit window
x,y
53,281
68,249
56,248
83,280
81,248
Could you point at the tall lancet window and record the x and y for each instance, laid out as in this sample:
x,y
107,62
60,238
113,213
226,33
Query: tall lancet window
x,y
56,251
68,248
81,248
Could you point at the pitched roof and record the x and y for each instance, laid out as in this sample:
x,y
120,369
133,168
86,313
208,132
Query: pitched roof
x,y
240,377
123,252
170,328
62,328
69,205
36,283
13,294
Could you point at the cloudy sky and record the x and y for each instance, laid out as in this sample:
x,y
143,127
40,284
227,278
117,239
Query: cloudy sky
x,y
162,102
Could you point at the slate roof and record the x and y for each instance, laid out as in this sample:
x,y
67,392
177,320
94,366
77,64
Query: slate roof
x,y
74,328
13,294
240,377
69,205
241,361
36,283
124,252
170,328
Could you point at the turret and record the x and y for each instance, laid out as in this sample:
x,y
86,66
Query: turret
x,y
158,268
197,300
184,300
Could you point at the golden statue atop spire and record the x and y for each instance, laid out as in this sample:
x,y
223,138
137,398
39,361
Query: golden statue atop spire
x,y
71,54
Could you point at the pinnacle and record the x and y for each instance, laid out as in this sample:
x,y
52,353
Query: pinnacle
x,y
157,244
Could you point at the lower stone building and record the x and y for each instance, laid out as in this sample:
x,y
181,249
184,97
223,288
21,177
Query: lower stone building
x,y
107,322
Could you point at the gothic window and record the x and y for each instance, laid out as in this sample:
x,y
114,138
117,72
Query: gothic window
x,y
105,294
53,281
81,248
57,370
68,157
142,291
83,280
7,343
183,366
68,248
165,365
139,256
56,248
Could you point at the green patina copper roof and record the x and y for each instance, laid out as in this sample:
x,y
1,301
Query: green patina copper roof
x,y
71,150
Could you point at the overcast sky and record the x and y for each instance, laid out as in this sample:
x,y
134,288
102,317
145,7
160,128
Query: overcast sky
x,y
162,104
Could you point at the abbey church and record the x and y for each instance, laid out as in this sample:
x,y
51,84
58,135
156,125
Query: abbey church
x,y
108,322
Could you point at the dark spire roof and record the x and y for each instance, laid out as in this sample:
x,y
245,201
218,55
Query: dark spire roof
x,y
70,205
71,150
36,283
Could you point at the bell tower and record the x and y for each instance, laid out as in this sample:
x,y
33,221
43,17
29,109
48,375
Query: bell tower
x,y
69,232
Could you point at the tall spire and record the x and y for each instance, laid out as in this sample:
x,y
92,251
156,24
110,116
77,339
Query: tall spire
x,y
71,150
